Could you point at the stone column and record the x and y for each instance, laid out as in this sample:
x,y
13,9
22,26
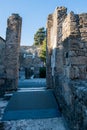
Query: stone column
x,y
2,67
12,47
54,61
48,53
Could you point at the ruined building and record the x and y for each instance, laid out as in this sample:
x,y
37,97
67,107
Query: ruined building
x,y
30,62
9,54
67,64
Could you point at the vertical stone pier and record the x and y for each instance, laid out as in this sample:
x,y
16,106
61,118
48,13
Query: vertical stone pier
x,y
54,39
12,47
48,53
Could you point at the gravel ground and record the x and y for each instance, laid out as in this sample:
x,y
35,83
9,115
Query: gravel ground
x,y
41,124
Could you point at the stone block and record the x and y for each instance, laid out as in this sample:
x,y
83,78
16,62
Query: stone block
x,y
80,60
67,94
72,53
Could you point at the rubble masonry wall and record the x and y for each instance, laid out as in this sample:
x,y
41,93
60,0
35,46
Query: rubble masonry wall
x,y
67,64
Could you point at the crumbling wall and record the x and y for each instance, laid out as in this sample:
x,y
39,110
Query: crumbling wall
x,y
2,67
12,51
69,76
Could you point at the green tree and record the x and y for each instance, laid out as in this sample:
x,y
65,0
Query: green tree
x,y
39,36
43,51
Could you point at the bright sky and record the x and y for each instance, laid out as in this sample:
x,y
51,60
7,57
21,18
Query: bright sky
x,y
34,14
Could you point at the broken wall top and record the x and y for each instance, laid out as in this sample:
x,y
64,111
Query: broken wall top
x,y
67,24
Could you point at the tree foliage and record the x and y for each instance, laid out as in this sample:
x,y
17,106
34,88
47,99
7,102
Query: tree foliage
x,y
43,51
39,36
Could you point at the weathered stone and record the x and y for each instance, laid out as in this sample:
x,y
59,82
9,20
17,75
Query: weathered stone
x,y
68,78
12,51
2,66
80,60
30,61
72,53
81,45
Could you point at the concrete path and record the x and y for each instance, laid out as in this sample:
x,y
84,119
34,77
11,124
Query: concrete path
x,y
48,123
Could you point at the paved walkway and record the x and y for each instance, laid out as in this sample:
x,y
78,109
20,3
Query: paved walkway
x,y
48,123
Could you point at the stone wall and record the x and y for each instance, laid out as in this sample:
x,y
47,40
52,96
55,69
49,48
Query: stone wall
x,y
30,60
2,67
12,47
67,64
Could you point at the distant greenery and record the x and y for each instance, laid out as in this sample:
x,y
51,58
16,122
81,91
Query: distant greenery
x,y
40,39
39,36
43,51
42,72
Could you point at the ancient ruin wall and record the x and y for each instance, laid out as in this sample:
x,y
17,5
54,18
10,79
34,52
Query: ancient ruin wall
x,y
2,67
12,51
2,60
70,59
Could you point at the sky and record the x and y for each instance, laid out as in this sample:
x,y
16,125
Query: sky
x,y
34,14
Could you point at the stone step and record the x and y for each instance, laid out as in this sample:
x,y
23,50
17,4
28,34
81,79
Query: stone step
x,y
31,89
34,83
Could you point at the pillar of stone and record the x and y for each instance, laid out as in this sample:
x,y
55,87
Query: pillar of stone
x,y
54,41
13,36
2,67
48,52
